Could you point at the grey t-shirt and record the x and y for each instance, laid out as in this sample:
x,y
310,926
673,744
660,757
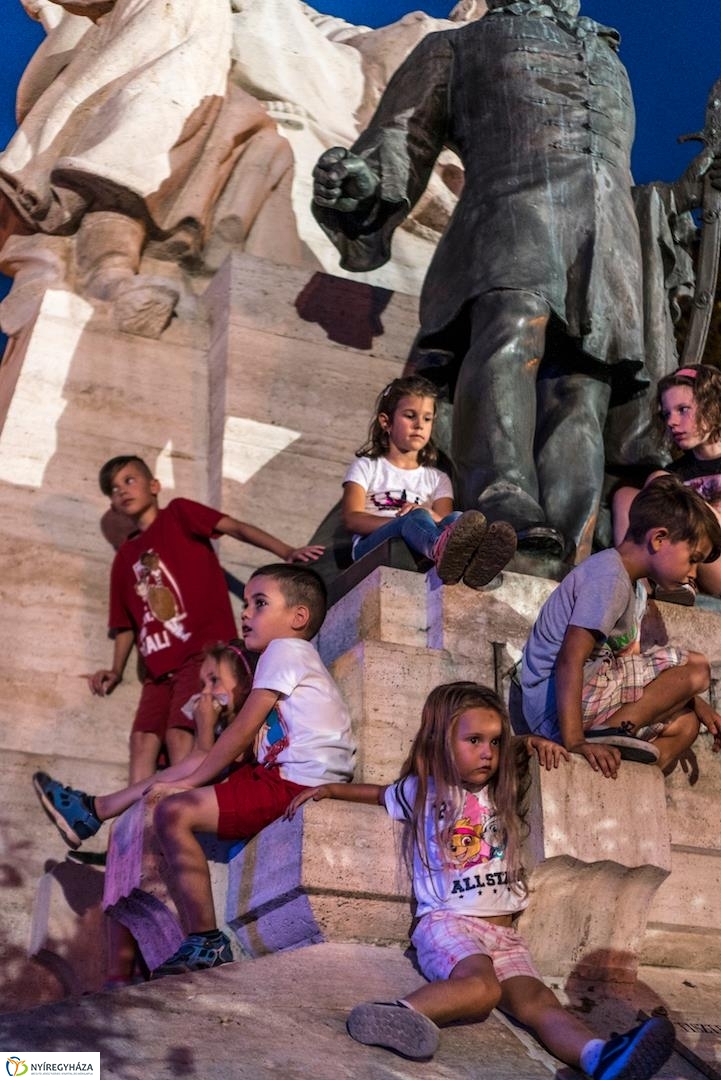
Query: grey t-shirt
x,y
597,595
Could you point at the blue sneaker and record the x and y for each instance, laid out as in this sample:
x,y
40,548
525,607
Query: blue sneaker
x,y
639,1054
197,953
70,811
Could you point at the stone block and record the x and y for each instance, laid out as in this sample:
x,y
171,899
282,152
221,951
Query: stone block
x,y
384,686
333,873
389,605
594,872
67,933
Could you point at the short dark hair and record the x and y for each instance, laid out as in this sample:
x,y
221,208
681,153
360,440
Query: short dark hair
x,y
666,503
111,468
299,585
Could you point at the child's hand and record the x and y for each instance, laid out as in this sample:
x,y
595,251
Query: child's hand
x,y
549,753
710,720
601,757
315,794
406,508
103,682
309,553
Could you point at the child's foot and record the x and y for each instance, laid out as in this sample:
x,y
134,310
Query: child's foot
x,y
394,1026
70,811
630,746
639,1054
495,551
197,953
457,544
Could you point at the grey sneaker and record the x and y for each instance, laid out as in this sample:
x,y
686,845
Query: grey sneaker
x,y
197,953
394,1026
70,811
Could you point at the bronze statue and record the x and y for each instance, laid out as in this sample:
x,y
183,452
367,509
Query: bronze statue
x,y
536,290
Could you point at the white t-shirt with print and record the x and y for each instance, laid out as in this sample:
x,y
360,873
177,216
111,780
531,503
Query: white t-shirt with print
x,y
387,487
468,873
317,745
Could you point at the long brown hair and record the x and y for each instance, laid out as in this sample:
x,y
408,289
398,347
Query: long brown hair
x,y
377,443
432,763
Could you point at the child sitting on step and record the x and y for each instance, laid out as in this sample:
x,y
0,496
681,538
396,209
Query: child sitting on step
x,y
394,489
689,411
585,682
225,682
284,609
458,792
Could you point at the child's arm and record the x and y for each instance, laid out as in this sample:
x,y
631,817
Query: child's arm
x,y
710,720
236,739
105,680
577,646
371,794
549,753
355,517
250,534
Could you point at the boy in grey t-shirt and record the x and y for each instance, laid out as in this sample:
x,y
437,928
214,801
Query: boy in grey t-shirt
x,y
582,664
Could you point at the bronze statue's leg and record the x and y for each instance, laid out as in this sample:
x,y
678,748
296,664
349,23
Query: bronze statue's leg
x,y
569,454
495,408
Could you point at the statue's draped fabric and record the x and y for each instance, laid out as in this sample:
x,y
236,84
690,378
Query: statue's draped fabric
x,y
138,101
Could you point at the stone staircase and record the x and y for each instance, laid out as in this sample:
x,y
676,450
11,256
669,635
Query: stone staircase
x,y
610,860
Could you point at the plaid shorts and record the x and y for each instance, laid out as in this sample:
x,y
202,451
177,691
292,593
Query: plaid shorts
x,y
442,939
620,680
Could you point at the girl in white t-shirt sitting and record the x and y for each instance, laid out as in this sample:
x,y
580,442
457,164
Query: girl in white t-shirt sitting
x,y
393,489
459,793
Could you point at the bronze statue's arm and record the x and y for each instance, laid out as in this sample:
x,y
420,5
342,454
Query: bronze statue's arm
x,y
366,194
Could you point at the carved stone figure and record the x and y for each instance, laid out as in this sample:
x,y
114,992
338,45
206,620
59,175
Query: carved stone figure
x,y
536,291
129,131
169,131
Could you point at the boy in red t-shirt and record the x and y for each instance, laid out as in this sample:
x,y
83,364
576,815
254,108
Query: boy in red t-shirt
x,y
169,597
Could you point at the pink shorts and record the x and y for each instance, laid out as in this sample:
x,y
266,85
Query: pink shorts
x,y
250,799
442,939
161,700
621,680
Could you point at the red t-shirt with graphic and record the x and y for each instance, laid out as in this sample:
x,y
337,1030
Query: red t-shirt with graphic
x,y
167,586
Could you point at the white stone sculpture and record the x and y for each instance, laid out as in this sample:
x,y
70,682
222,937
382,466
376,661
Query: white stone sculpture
x,y
151,129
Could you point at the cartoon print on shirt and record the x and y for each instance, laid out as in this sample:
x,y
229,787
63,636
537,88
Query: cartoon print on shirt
x,y
471,843
273,736
393,500
156,586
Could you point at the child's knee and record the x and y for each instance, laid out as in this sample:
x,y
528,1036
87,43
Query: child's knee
x,y
169,815
699,672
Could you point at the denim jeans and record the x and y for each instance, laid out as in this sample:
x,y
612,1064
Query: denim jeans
x,y
417,528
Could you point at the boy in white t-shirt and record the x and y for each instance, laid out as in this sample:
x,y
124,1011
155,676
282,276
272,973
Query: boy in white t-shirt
x,y
284,608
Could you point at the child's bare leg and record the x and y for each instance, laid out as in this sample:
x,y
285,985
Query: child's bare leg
x,y
470,993
667,694
533,1004
178,743
177,819
620,507
675,738
144,750
109,806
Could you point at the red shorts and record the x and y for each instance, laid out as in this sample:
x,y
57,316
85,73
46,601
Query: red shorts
x,y
250,799
161,700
